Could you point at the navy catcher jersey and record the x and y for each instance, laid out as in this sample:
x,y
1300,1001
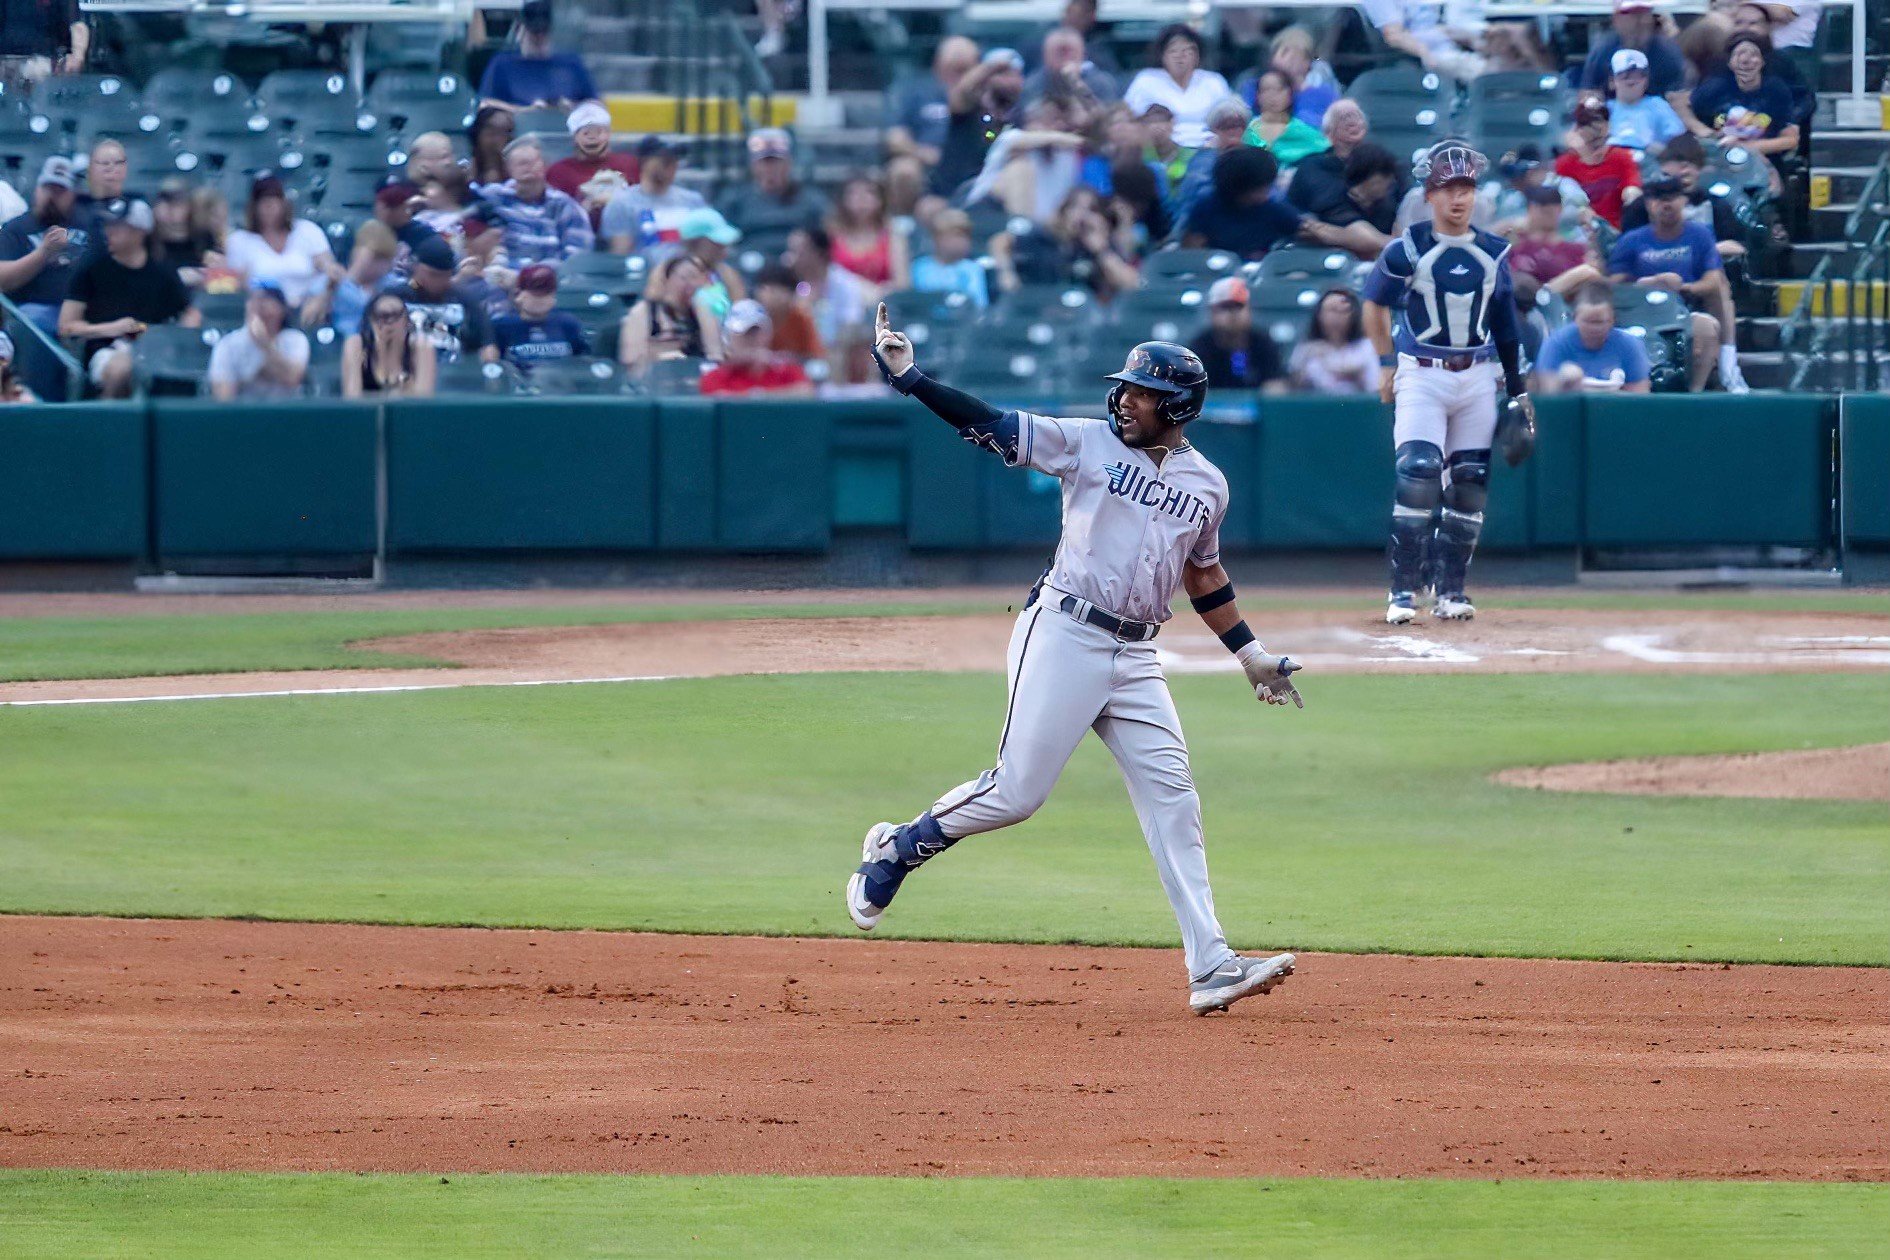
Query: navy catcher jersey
x,y
1453,294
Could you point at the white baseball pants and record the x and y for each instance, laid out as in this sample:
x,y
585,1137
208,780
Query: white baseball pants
x,y
1066,678
1453,411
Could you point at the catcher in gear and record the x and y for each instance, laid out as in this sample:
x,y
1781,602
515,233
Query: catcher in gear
x,y
1457,332
1142,512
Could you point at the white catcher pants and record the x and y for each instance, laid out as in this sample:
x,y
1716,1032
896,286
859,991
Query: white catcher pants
x,y
1066,678
1453,411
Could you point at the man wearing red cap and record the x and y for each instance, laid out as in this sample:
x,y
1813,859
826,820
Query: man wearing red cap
x,y
538,332
1608,173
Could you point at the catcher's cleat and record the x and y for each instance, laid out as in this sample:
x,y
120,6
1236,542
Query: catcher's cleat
x,y
1454,608
1401,610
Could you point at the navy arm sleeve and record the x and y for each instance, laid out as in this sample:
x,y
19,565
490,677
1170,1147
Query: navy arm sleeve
x,y
1506,328
977,421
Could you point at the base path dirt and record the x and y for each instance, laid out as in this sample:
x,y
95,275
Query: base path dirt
x,y
136,1044
1861,773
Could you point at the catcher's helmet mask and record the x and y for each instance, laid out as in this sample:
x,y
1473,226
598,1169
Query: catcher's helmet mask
x,y
1170,370
1450,162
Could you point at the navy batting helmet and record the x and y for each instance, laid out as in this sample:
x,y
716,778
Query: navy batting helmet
x,y
1450,162
1169,369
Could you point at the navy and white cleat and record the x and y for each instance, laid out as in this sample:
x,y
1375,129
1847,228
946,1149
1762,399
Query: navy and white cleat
x,y
1401,610
1454,608
1236,979
871,888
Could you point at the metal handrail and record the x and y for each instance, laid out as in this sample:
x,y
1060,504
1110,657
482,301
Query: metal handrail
x,y
30,341
1871,200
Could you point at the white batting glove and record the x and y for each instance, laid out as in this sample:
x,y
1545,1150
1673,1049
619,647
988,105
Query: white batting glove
x,y
1271,676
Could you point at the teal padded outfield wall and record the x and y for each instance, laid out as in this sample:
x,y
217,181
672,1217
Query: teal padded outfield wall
x,y
172,480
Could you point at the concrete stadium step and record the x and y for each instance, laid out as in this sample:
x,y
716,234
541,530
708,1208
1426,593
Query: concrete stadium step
x,y
1849,148
1837,294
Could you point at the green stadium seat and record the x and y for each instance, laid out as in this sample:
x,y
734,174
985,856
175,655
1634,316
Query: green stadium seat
x,y
290,94
413,117
1301,263
403,87
179,94
672,377
467,374
65,93
582,299
1404,82
1187,266
619,274
593,375
171,359
549,122
222,310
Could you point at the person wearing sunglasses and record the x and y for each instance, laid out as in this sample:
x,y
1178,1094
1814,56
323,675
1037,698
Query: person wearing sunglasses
x,y
387,356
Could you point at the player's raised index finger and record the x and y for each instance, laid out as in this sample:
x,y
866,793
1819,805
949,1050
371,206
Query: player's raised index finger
x,y
879,320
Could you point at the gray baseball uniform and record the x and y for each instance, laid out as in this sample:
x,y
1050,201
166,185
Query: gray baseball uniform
x,y
1130,526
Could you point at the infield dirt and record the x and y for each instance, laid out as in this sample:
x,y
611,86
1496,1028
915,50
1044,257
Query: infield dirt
x,y
131,1044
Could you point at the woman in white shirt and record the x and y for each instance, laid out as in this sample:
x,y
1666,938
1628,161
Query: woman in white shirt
x,y
274,245
1179,82
1336,357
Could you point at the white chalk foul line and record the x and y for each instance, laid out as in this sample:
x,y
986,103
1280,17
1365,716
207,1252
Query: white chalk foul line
x,y
1646,647
337,691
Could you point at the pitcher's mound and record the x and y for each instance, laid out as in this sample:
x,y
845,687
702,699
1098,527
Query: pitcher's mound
x,y
1861,773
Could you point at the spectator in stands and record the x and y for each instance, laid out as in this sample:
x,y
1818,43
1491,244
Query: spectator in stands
x,y
1029,170
1066,69
1503,202
980,106
39,40
708,237
12,389
1178,81
485,273
181,240
38,250
772,203
1636,27
386,355
1509,47
537,330
273,244
106,170
1683,159
950,268
12,205
750,365
1319,179
1590,354
1167,158
535,76
492,129
1638,121
664,323
834,296
118,293
1757,20
1419,28
1671,253
863,238
594,173
448,314
1315,87
1080,16
396,203
1237,353
446,199
265,358
430,155
1610,175
1242,215
1227,129
1336,357
1542,257
369,263
1080,246
1366,203
1137,204
794,332
540,223
650,212
1276,128
921,110
1748,106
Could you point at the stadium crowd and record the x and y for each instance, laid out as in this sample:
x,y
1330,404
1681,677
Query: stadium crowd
x,y
500,253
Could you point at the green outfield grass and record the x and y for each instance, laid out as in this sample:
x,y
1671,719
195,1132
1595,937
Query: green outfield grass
x,y
736,805
204,1216
211,642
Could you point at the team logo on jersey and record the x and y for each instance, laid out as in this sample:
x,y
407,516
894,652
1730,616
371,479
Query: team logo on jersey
x,y
1131,483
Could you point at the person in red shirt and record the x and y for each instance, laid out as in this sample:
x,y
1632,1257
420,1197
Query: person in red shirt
x,y
1542,258
748,366
1608,173
593,173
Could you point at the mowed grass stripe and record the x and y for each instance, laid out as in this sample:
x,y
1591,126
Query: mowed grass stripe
x,y
1366,822
205,1216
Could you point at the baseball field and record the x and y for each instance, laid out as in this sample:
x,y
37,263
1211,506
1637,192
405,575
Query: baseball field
x,y
510,924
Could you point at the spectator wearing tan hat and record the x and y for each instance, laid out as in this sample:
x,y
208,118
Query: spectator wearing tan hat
x,y
594,173
773,203
1236,352
748,365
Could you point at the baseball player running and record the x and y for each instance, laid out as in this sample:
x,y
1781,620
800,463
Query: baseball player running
x,y
1451,283
1142,512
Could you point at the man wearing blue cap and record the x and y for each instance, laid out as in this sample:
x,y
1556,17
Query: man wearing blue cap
x,y
264,358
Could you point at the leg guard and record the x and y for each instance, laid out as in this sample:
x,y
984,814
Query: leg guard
x,y
1420,467
1466,488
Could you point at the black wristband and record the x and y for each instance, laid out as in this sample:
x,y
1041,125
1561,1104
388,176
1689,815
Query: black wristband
x,y
1236,636
905,382
1222,594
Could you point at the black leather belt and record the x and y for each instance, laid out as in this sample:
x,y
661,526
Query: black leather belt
x,y
1128,631
1455,363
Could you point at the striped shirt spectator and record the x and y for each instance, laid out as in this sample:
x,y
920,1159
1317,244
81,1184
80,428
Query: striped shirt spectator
x,y
540,224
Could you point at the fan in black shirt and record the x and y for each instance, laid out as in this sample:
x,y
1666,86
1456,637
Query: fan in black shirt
x,y
1236,353
1363,191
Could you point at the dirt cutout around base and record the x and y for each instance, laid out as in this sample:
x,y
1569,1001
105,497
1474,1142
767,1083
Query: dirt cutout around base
x,y
137,1044
1861,773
